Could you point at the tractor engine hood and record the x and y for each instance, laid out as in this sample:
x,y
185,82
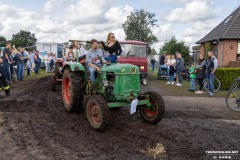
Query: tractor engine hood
x,y
121,69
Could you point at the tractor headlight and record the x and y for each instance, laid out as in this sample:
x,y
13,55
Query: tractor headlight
x,y
105,83
142,67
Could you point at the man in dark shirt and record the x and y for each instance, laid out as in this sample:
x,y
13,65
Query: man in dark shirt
x,y
153,61
6,60
179,68
162,58
20,64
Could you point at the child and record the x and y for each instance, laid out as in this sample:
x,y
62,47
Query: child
x,y
29,66
193,75
3,80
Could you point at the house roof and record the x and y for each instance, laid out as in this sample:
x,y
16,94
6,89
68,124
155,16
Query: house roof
x,y
229,28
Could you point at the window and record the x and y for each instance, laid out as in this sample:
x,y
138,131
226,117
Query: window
x,y
238,51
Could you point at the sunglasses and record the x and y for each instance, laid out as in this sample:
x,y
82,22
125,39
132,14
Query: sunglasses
x,y
112,37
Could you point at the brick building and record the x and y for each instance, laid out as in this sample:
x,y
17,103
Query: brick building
x,y
224,40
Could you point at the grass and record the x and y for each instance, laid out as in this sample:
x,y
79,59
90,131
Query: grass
x,y
27,80
173,90
155,152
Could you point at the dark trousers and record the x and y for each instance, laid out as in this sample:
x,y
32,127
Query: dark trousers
x,y
200,81
7,71
37,64
4,83
28,71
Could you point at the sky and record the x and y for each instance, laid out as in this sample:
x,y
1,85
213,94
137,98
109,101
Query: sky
x,y
61,20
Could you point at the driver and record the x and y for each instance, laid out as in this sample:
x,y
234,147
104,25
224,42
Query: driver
x,y
94,59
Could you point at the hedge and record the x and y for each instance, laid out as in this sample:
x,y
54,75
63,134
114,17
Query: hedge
x,y
227,75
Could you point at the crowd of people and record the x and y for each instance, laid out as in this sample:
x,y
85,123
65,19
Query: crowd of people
x,y
204,68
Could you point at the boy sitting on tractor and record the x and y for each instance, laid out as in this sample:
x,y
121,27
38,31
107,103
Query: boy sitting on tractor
x,y
71,56
94,59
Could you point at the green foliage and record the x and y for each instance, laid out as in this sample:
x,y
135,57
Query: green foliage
x,y
139,25
153,51
172,46
227,75
23,39
2,41
208,47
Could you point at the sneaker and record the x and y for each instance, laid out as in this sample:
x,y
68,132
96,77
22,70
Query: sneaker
x,y
199,92
168,82
172,83
210,94
178,84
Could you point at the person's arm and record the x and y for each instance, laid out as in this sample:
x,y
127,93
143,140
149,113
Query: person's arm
x,y
215,62
89,61
104,46
119,52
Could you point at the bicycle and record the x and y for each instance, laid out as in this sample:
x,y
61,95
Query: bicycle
x,y
233,95
217,84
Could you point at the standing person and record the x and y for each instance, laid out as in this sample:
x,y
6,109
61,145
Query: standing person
x,y
29,66
94,58
179,68
212,64
6,60
153,61
32,60
1,53
20,64
47,62
3,80
193,76
171,63
201,68
12,63
113,47
36,62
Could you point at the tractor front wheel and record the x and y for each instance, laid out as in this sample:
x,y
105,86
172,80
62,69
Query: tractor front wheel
x,y
72,90
155,113
97,112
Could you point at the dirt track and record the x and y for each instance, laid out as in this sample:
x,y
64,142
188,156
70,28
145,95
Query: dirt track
x,y
34,125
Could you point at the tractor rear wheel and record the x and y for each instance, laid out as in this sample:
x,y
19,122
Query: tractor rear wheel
x,y
154,114
98,113
72,90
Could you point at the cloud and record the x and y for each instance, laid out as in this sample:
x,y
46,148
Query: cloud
x,y
196,10
175,1
51,4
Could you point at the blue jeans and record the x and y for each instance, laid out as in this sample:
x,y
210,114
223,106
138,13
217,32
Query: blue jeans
x,y
92,74
210,79
192,83
20,73
36,67
179,72
153,67
171,78
28,71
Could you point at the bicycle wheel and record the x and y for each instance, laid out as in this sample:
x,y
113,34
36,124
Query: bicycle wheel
x,y
233,100
217,85
234,84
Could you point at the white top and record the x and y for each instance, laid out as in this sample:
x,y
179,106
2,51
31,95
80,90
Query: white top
x,y
171,62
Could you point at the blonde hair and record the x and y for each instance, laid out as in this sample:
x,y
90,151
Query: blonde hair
x,y
108,37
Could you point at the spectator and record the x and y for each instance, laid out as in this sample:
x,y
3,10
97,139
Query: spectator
x,y
171,63
37,62
201,67
179,68
1,54
153,61
20,64
162,58
6,60
12,63
29,66
52,62
193,76
3,80
82,54
212,64
47,62
32,60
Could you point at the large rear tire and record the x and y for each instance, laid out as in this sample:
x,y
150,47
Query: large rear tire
x,y
97,112
154,114
72,90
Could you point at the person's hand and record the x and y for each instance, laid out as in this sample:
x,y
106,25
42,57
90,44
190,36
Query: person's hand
x,y
108,62
98,69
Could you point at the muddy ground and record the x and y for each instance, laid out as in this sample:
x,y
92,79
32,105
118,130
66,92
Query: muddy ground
x,y
34,125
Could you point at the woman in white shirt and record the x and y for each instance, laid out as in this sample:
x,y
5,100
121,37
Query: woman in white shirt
x,y
171,63
47,62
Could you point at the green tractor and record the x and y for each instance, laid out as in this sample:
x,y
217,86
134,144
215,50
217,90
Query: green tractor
x,y
116,86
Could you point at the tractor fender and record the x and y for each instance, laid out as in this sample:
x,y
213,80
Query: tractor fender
x,y
75,67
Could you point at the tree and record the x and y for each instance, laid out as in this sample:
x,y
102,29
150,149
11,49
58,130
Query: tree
x,y
139,25
172,46
153,51
23,39
2,41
